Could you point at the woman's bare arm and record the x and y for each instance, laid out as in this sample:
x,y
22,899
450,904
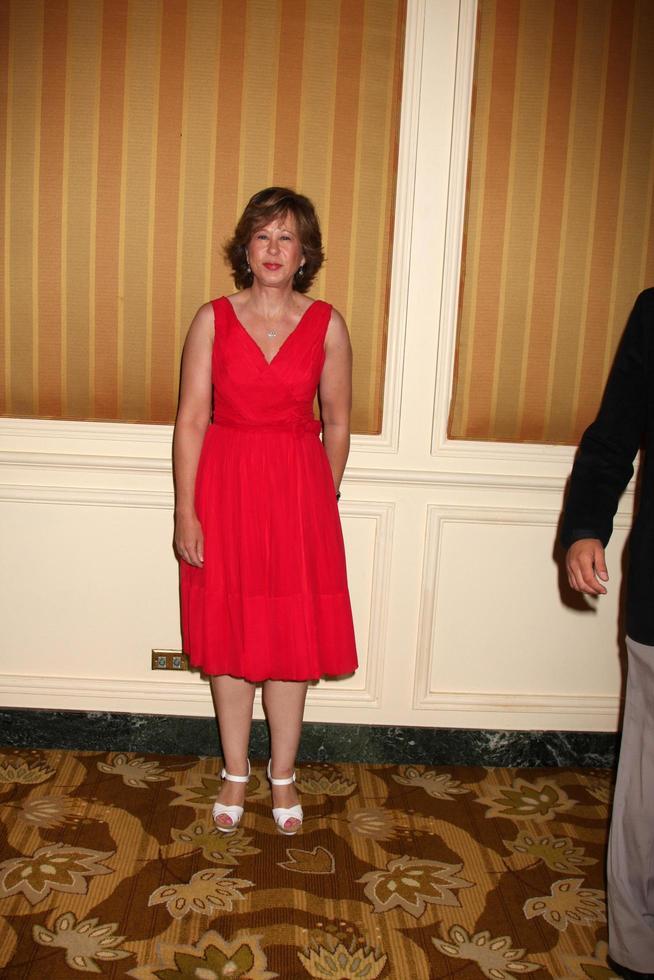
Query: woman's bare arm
x,y
193,416
336,395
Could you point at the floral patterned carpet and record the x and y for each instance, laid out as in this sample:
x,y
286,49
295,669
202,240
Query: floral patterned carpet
x,y
110,864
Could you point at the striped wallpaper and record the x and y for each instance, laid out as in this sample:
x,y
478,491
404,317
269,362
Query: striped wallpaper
x,y
559,234
133,132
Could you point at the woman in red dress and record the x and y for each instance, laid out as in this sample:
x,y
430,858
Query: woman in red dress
x,y
257,530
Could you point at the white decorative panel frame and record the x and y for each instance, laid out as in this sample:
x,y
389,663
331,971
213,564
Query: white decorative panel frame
x,y
365,687
603,710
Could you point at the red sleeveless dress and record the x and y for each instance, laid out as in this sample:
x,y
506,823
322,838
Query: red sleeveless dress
x,y
271,601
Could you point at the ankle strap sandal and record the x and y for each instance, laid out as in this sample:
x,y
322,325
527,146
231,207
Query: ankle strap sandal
x,y
233,812
281,815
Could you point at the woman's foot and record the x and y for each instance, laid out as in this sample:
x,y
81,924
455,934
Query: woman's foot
x,y
228,808
287,812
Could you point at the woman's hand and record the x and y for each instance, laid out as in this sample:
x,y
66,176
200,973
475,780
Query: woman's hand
x,y
189,540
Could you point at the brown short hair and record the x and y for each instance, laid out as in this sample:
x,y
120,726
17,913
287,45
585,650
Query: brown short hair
x,y
262,208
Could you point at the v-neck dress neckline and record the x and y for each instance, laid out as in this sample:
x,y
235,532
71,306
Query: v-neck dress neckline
x,y
247,333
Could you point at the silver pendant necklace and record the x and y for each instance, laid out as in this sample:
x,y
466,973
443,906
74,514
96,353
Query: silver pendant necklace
x,y
271,333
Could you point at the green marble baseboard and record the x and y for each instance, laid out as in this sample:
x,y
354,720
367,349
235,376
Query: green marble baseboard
x,y
172,734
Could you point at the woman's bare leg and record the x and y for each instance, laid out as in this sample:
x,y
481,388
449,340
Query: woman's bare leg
x,y
283,702
233,698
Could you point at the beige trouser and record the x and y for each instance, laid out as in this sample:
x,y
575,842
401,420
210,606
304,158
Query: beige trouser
x,y
630,869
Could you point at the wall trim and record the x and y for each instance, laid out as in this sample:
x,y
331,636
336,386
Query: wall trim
x,y
604,710
87,461
87,496
66,692
382,513
78,466
163,499
82,432
431,478
148,466
388,440
187,689
600,707
456,203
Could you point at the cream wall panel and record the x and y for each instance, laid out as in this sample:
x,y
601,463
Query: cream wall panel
x,y
92,588
493,632
449,545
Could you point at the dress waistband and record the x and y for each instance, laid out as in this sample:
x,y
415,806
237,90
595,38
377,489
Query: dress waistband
x,y
299,427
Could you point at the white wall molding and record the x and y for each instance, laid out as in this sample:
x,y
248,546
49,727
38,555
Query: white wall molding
x,y
55,691
449,478
486,456
456,203
369,681
600,709
149,695
25,690
18,433
87,496
388,440
52,692
69,476
141,465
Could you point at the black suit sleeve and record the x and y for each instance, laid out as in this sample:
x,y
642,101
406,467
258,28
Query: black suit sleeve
x,y
604,461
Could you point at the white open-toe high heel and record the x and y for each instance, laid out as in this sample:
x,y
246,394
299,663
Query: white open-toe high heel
x,y
233,812
281,815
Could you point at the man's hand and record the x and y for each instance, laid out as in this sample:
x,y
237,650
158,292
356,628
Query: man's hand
x,y
586,566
